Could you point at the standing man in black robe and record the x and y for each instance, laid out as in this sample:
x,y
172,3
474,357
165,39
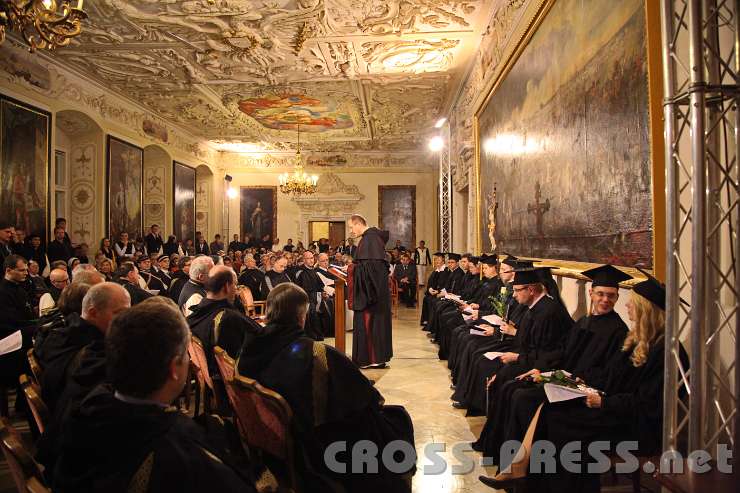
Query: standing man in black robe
x,y
307,278
372,345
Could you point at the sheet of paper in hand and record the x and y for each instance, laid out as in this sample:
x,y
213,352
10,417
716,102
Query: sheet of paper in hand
x,y
493,319
559,393
476,332
11,343
492,355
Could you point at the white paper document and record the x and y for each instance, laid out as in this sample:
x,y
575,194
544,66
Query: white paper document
x,y
325,280
476,332
492,355
329,290
467,317
493,319
11,343
558,393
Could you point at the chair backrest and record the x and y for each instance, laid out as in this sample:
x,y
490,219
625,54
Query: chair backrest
x,y
265,417
226,367
35,366
33,397
27,474
198,357
247,299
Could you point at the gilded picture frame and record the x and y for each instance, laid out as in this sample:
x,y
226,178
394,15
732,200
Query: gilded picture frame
x,y
125,188
25,191
531,21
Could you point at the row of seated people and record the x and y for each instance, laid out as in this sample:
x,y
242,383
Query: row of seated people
x,y
110,373
506,333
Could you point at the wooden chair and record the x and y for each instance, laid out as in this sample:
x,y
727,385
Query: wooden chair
x,y
265,419
205,384
35,366
27,473
253,309
39,410
394,293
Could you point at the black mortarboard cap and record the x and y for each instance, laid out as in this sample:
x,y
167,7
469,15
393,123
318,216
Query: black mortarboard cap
x,y
454,256
651,289
474,260
523,264
439,254
527,275
606,275
510,260
489,259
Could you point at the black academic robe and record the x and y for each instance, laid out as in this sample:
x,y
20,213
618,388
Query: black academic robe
x,y
312,284
57,354
254,279
153,282
437,280
593,341
327,311
444,308
17,313
331,401
370,299
454,318
632,410
107,442
406,291
540,332
179,279
454,282
136,293
273,279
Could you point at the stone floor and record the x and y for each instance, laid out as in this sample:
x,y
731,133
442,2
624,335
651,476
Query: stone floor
x,y
418,380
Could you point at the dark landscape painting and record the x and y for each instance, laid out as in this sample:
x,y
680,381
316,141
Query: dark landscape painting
x,y
397,213
184,193
258,211
125,172
24,166
564,141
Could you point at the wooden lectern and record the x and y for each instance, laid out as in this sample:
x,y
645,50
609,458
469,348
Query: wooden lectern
x,y
340,313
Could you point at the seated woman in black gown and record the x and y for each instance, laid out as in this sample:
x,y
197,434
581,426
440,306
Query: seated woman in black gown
x,y
629,409
330,398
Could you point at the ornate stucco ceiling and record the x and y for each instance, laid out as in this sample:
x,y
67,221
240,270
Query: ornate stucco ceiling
x,y
356,74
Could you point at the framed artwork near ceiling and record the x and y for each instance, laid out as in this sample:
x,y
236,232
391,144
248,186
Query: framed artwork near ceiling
x,y
569,147
125,170
397,214
25,166
258,212
183,184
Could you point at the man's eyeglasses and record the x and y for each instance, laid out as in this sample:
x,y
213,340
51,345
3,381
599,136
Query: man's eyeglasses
x,y
516,290
602,294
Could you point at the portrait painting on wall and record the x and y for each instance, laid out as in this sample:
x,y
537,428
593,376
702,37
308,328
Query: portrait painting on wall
x,y
184,194
397,213
258,212
125,188
25,155
563,140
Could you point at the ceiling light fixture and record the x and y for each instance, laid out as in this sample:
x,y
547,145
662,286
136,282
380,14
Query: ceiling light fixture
x,y
299,182
440,122
42,23
436,143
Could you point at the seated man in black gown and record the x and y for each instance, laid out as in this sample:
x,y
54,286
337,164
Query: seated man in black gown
x,y
330,398
405,276
126,433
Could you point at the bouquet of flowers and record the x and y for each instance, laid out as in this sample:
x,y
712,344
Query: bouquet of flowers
x,y
498,301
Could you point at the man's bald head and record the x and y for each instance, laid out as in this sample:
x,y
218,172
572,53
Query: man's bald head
x,y
221,283
59,275
103,302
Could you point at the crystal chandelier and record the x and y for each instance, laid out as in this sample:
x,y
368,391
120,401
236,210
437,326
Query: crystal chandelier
x,y
299,182
42,23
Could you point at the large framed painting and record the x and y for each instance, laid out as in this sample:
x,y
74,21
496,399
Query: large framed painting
x,y
397,213
183,184
25,157
568,137
125,164
258,211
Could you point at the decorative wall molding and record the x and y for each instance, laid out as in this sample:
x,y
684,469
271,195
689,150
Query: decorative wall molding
x,y
334,200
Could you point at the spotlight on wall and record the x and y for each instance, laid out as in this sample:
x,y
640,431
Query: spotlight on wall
x,y
436,143
231,193
440,122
